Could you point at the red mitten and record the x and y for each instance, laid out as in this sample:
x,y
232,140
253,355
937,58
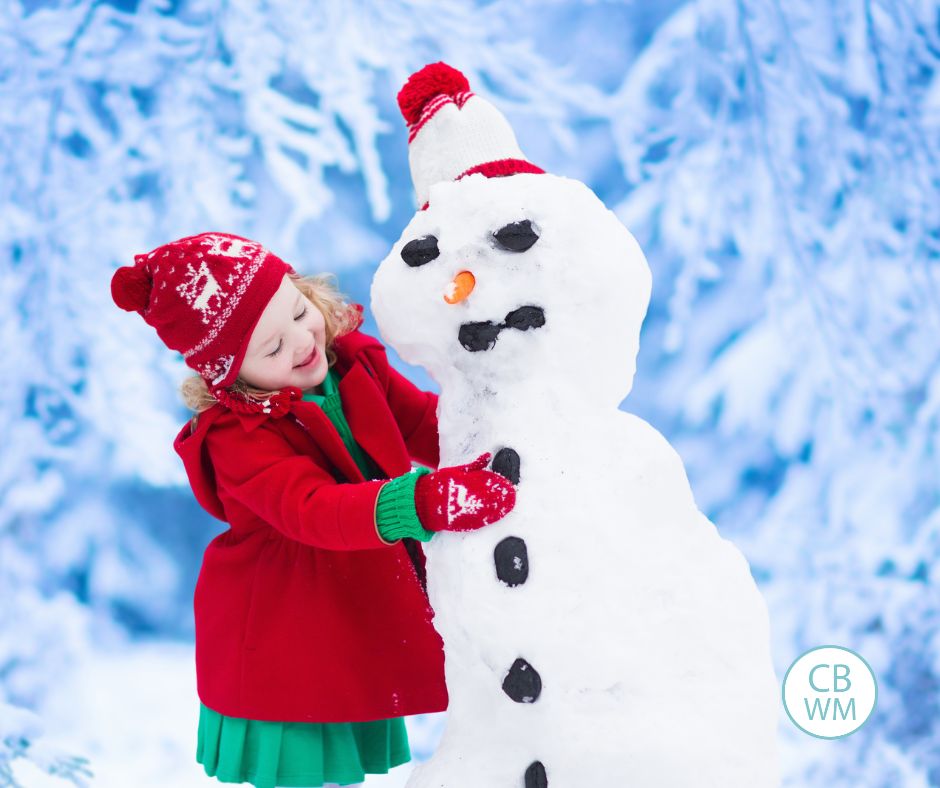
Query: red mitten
x,y
463,498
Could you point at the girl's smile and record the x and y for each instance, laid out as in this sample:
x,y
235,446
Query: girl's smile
x,y
308,360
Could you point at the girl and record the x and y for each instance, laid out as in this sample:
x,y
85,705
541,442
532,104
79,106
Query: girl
x,y
313,630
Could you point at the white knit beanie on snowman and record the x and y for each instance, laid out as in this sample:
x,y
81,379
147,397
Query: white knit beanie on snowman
x,y
453,133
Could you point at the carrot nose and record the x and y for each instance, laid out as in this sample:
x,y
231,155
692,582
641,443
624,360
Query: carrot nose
x,y
461,287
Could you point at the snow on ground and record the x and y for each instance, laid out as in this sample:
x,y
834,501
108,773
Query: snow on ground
x,y
132,713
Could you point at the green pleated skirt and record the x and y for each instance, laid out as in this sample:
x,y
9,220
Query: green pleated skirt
x,y
269,754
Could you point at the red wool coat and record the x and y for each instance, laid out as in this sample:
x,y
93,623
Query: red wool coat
x,y
303,612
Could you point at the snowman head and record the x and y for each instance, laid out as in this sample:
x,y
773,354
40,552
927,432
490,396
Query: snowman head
x,y
526,281
523,284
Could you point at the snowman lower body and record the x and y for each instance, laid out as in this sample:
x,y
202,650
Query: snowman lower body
x,y
602,633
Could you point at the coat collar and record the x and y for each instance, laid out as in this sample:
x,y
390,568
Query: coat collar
x,y
364,406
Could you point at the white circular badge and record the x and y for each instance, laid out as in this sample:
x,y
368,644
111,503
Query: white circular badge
x,y
829,692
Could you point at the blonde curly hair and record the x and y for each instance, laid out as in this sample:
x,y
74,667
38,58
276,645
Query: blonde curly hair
x,y
339,316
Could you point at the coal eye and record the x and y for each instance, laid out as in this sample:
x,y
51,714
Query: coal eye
x,y
420,251
516,237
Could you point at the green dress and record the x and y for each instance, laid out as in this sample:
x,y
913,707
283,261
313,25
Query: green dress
x,y
268,754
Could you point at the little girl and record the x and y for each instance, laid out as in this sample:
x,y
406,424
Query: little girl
x,y
313,629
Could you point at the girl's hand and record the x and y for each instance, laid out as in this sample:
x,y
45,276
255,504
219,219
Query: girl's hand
x,y
463,498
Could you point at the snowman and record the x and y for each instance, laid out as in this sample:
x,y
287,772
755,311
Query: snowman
x,y
602,633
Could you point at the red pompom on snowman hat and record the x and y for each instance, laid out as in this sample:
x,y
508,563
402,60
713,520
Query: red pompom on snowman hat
x,y
204,295
452,132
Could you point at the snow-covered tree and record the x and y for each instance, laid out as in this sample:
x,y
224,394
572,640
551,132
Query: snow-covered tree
x,y
784,170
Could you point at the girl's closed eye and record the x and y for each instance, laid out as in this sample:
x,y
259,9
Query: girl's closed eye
x,y
281,343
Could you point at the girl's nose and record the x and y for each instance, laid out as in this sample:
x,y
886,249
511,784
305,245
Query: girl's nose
x,y
303,337
460,287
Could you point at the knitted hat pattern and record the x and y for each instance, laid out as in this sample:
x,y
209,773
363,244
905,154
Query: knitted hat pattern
x,y
453,133
204,295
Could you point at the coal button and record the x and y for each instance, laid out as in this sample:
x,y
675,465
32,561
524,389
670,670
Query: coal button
x,y
523,683
512,561
507,463
535,776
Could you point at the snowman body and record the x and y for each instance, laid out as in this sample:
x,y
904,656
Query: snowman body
x,y
602,633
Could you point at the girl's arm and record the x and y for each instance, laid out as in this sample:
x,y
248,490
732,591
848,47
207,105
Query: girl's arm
x,y
261,471
414,410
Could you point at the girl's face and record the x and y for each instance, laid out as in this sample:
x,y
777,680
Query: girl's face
x,y
287,347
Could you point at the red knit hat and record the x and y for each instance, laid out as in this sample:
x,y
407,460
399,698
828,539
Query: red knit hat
x,y
453,133
204,295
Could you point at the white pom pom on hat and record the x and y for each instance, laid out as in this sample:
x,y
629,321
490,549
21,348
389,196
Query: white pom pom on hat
x,y
452,132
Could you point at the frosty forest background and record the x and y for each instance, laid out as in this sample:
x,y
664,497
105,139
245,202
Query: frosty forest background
x,y
779,162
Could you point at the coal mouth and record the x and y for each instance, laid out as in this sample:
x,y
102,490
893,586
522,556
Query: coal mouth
x,y
482,335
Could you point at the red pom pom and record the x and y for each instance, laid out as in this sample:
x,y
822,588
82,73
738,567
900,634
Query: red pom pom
x,y
130,288
423,85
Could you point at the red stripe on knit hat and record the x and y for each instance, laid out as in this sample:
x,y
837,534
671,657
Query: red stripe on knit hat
x,y
498,169
501,168
429,112
433,107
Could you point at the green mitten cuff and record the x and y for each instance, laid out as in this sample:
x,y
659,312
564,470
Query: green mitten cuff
x,y
395,513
